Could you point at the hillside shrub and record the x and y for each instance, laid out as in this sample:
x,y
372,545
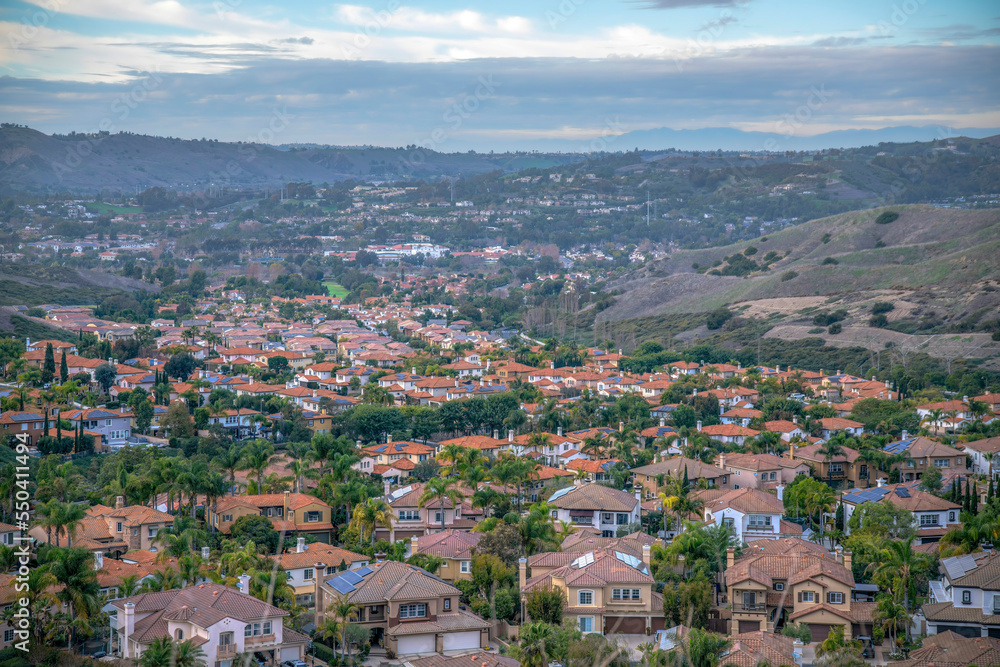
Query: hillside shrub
x,y
829,260
826,319
880,307
878,321
886,217
835,329
750,251
718,317
996,335
788,275
826,238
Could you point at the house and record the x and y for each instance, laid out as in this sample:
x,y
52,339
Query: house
x,y
831,426
760,471
932,516
607,591
924,453
391,452
224,622
966,600
844,468
136,525
291,513
740,416
654,476
753,514
985,456
454,548
597,506
31,425
788,430
414,520
407,610
300,565
950,649
776,582
593,471
114,426
728,433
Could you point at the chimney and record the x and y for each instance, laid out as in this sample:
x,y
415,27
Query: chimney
x,y
413,370
559,431
206,553
646,553
795,419
722,408
128,629
965,399
880,482
414,542
552,364
695,392
285,500
903,435
847,560
888,385
780,490
621,427
522,572
839,551
319,573
510,435
663,422
119,502
722,460
638,494
730,557
699,425
244,584
300,545
98,560
385,486
487,364
496,434
873,378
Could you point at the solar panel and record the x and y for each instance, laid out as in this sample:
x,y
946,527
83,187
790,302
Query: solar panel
x,y
351,577
628,559
365,571
584,560
342,587
399,493
560,493
902,492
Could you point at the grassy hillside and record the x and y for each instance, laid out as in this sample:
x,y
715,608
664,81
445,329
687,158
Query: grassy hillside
x,y
35,285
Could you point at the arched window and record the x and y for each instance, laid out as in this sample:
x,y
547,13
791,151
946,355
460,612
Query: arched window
x,y
179,635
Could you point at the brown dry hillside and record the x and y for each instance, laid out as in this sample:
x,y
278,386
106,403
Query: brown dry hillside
x,y
933,252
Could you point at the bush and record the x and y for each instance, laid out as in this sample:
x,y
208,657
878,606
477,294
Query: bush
x,y
886,217
826,319
878,321
835,329
826,238
880,307
996,335
718,317
789,275
35,312
829,260
325,653
750,251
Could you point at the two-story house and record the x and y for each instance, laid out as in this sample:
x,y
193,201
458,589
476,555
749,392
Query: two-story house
x,y
759,471
597,506
414,520
407,610
831,426
922,454
843,469
222,621
984,455
293,513
390,452
932,516
775,582
655,476
30,425
966,600
607,591
136,525
242,422
114,426
753,514
300,566
455,549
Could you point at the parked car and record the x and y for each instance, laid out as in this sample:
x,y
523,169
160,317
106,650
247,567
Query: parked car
x,y
293,663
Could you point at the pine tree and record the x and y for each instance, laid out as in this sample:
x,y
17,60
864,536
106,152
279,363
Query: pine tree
x,y
64,367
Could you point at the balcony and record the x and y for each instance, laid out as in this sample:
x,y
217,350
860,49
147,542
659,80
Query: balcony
x,y
259,640
226,651
751,608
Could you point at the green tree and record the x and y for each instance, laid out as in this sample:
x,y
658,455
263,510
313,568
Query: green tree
x,y
441,489
49,365
63,367
177,421
545,604
104,376
165,652
257,529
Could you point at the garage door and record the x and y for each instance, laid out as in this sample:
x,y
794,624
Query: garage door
x,y
415,644
820,631
963,630
749,626
454,641
624,625
292,653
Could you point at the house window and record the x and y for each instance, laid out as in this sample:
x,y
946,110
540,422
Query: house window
x,y
267,627
624,593
951,516
119,526
226,639
779,586
835,598
152,533
966,597
607,517
996,604
586,624
807,596
928,519
227,517
409,515
179,635
836,467
8,636
135,532
728,521
312,517
622,519
412,610
307,574
774,475
585,598
941,463
760,521
466,567
447,604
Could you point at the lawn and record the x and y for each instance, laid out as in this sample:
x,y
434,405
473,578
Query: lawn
x,y
102,208
335,290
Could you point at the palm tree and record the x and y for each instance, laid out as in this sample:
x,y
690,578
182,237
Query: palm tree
x,y
900,563
820,501
330,629
300,464
537,645
890,616
214,487
372,514
166,579
256,458
129,585
70,516
451,453
74,572
165,652
230,460
831,449
537,530
343,610
441,489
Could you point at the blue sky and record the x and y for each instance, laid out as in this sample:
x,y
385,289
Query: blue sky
x,y
474,74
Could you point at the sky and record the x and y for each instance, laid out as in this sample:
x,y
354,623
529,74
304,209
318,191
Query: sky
x,y
457,75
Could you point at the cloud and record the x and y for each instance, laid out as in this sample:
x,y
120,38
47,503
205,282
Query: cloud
x,y
840,41
297,40
411,19
680,4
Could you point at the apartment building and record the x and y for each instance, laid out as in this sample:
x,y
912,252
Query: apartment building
x,y
843,469
407,610
25,424
412,520
759,471
135,525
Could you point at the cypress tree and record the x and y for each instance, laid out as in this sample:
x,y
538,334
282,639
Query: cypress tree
x,y
990,492
954,494
49,367
46,433
685,481
974,501
64,367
